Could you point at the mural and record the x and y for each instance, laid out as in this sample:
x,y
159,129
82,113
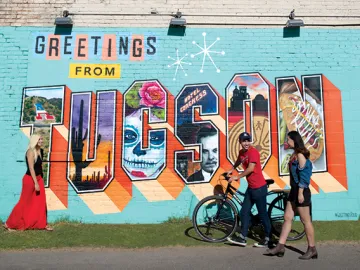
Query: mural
x,y
134,120
107,128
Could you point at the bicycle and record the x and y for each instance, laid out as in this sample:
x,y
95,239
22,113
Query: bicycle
x,y
222,214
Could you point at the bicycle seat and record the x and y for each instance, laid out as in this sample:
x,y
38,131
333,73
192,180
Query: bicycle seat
x,y
269,182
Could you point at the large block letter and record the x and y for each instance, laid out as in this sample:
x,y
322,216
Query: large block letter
x,y
43,108
248,109
140,161
91,150
302,111
192,102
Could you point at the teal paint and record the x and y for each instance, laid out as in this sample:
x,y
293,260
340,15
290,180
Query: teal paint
x,y
332,52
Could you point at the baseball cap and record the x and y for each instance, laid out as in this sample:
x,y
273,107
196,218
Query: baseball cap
x,y
244,136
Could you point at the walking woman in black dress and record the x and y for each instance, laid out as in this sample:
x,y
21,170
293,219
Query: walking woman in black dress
x,y
299,199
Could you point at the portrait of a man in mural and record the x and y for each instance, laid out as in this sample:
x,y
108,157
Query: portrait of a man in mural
x,y
144,163
207,137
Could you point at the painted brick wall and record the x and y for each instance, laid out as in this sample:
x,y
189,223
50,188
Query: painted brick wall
x,y
261,58
43,13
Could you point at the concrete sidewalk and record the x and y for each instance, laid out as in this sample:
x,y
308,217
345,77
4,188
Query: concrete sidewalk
x,y
331,256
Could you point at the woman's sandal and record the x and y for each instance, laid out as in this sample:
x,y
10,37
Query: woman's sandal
x,y
7,228
49,229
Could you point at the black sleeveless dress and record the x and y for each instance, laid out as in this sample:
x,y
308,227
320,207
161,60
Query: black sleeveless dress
x,y
37,166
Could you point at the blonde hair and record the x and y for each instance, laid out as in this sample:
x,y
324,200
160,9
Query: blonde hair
x,y
34,139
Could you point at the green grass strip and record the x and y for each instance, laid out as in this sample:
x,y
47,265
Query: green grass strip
x,y
175,232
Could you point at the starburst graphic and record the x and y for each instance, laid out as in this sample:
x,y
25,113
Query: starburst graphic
x,y
207,53
178,63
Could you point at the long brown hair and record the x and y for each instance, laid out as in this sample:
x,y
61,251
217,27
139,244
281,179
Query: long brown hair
x,y
299,146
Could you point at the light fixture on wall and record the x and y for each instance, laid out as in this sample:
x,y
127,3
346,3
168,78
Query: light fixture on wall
x,y
178,20
64,20
292,22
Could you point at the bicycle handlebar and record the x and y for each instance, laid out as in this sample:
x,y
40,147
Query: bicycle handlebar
x,y
229,186
225,175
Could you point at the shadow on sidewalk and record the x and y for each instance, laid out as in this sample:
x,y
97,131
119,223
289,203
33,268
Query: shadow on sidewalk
x,y
295,249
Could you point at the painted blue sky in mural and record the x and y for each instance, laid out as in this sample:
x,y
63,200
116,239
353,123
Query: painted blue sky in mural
x,y
47,93
106,113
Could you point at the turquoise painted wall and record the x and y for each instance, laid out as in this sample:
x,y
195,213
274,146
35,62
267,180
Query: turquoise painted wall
x,y
334,53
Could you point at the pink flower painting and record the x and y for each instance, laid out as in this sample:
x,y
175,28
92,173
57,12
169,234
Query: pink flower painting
x,y
152,95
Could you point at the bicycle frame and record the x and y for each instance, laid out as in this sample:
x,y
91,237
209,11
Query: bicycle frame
x,y
235,195
234,198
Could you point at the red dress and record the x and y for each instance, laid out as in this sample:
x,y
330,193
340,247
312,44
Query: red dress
x,y
30,212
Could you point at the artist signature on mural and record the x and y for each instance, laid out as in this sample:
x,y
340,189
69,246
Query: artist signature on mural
x,y
348,215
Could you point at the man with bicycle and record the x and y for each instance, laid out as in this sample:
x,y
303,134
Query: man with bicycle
x,y
256,192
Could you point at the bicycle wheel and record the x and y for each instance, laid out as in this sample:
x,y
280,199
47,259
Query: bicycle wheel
x,y
276,214
215,219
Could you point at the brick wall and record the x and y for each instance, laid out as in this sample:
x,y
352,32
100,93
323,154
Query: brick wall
x,y
267,52
198,12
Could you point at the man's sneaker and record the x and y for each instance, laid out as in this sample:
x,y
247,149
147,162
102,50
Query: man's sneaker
x,y
264,243
237,240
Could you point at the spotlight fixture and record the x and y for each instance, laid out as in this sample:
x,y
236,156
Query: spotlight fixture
x,y
64,20
154,11
292,22
177,20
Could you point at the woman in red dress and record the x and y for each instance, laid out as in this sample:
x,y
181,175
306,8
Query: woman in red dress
x,y
30,212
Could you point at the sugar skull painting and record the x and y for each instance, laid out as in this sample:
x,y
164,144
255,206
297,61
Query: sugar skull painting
x,y
144,163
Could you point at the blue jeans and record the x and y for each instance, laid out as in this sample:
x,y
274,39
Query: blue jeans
x,y
258,197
